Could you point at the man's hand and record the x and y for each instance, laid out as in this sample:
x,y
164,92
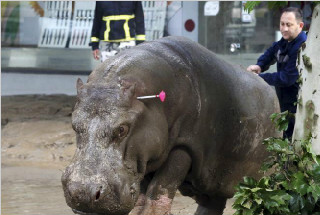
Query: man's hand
x,y
96,54
254,68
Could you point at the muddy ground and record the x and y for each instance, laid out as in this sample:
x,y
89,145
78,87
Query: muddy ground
x,y
37,142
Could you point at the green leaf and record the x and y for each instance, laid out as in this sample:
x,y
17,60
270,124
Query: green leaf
x,y
286,185
248,212
281,198
249,181
273,116
279,145
267,165
296,203
314,189
247,204
277,4
299,183
255,189
281,120
279,177
315,172
243,187
309,204
250,5
316,159
271,204
240,199
264,182
258,200
275,201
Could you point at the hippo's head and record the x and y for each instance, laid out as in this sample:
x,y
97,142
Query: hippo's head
x,y
119,140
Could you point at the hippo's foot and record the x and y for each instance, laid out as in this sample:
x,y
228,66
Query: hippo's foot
x,y
206,211
147,206
214,206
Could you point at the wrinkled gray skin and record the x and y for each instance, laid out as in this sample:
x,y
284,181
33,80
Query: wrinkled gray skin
x,y
203,139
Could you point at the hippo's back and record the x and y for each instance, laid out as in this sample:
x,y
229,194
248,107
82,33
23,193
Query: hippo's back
x,y
233,118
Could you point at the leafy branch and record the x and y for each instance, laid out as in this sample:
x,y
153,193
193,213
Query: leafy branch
x,y
293,187
250,5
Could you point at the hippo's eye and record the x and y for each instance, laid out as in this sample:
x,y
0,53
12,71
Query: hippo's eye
x,y
123,131
120,132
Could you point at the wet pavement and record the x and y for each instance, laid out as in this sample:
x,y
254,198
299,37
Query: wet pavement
x,y
36,141
32,191
38,191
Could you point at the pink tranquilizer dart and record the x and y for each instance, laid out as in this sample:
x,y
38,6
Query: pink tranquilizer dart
x,y
162,96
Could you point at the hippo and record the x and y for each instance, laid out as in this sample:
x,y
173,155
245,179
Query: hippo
x,y
133,155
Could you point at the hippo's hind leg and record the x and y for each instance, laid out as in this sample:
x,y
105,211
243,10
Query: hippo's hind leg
x,y
215,206
164,184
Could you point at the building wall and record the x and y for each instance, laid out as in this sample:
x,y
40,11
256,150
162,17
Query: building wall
x,y
248,34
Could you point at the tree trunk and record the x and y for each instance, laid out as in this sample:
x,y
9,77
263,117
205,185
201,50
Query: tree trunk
x,y
308,107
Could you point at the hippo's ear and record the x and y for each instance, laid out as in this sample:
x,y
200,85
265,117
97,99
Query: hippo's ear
x,y
128,93
79,85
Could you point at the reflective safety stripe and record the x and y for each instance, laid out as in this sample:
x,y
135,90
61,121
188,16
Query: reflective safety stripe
x,y
119,40
126,29
141,37
118,17
106,33
125,26
94,39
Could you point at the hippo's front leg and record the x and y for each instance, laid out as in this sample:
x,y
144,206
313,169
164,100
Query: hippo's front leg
x,y
163,186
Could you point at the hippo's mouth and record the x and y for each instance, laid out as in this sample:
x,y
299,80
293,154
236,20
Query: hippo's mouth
x,y
83,213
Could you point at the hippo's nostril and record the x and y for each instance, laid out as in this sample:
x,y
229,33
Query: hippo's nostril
x,y
97,194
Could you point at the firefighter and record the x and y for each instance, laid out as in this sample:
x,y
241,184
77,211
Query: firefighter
x,y
117,25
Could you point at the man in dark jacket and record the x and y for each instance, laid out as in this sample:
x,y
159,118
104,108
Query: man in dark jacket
x,y
117,25
284,52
